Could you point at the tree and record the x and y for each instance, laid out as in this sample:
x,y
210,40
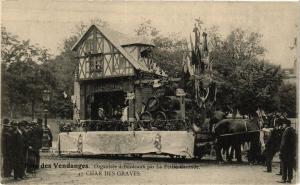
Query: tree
x,y
169,50
246,82
23,73
147,29
288,99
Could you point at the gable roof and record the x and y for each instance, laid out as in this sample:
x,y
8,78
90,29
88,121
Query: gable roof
x,y
118,40
125,40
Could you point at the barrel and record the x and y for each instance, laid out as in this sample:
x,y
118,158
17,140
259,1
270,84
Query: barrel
x,y
160,116
146,116
174,114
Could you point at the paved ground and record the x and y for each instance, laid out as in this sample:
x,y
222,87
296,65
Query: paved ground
x,y
147,170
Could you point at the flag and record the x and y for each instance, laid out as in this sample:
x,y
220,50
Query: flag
x,y
194,58
189,67
205,48
198,54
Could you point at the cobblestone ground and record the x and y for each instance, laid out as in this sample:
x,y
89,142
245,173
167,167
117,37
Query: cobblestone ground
x,y
160,171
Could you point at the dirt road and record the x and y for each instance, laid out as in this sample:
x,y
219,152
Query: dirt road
x,y
57,170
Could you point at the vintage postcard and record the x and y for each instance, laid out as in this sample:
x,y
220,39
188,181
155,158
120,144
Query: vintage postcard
x,y
136,92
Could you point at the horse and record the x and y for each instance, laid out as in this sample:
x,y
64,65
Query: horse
x,y
235,132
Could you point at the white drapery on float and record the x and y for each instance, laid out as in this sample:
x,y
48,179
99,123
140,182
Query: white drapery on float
x,y
127,142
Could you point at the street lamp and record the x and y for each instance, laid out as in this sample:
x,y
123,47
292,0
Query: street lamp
x,y
46,100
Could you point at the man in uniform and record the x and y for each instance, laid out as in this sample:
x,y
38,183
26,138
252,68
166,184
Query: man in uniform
x,y
288,152
6,135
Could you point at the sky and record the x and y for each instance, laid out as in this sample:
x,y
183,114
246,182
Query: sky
x,y
48,22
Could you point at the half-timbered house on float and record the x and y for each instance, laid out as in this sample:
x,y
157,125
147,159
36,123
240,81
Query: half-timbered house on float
x,y
113,70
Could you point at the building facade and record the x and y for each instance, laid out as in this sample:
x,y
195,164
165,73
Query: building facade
x,y
113,71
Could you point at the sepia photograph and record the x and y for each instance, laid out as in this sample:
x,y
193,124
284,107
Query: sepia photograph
x,y
149,92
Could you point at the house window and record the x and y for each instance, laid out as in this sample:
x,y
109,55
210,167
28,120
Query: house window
x,y
145,52
96,63
146,56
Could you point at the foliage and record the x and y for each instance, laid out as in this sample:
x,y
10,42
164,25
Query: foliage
x,y
169,50
288,99
168,54
24,74
147,29
246,82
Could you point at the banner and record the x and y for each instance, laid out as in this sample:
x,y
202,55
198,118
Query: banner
x,y
127,142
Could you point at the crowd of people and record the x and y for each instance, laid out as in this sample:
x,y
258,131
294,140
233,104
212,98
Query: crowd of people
x,y
20,146
21,143
282,138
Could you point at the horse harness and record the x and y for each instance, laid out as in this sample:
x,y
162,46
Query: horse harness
x,y
246,131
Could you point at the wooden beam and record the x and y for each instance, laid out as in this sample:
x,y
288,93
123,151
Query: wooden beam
x,y
96,54
106,77
137,82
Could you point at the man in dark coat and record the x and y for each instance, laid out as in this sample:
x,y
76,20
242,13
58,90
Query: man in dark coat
x,y
50,136
25,130
31,145
6,136
288,152
38,143
17,152
272,146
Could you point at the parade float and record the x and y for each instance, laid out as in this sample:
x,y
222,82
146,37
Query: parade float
x,y
125,104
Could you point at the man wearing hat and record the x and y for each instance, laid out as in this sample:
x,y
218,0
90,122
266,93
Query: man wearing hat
x,y
31,157
6,135
272,146
38,137
101,114
25,130
17,152
288,152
